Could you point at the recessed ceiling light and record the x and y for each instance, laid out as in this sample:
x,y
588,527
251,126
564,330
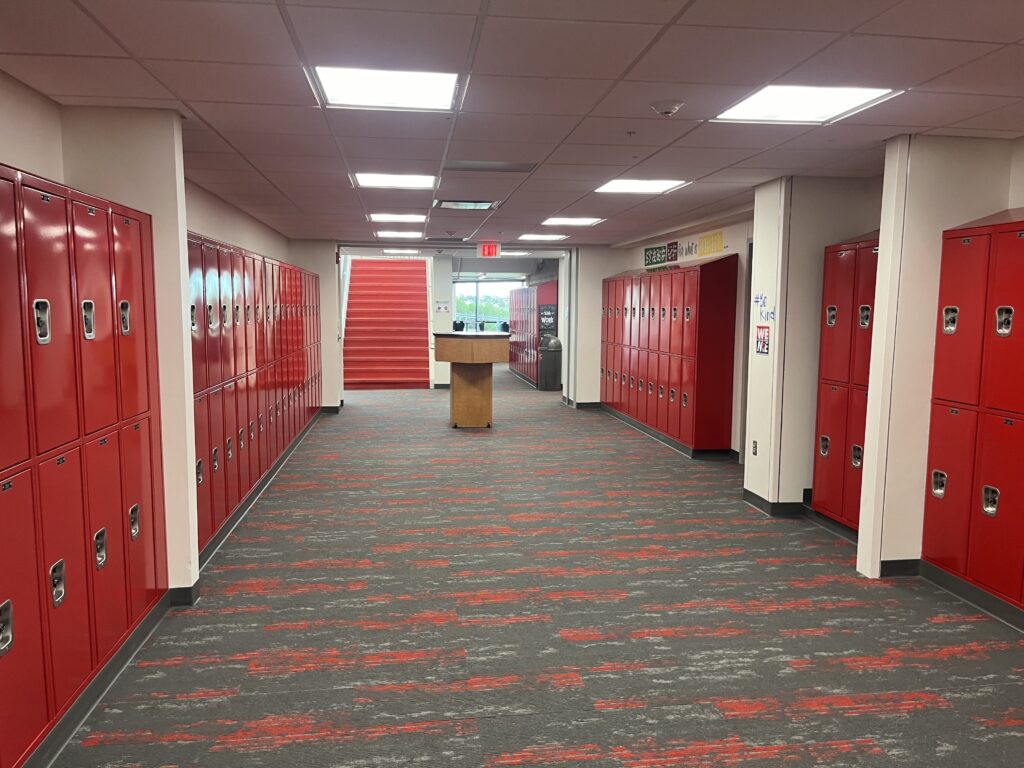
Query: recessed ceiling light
x,y
402,251
803,104
398,218
395,180
389,234
542,237
642,186
465,205
571,221
516,253
387,89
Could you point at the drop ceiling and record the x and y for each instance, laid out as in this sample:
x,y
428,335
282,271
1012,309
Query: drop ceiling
x,y
562,86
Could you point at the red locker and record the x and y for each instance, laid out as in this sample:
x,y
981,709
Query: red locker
x,y
856,418
687,405
634,312
617,306
23,708
260,298
242,434
829,453
238,311
227,325
249,291
218,471
616,374
652,389
255,438
950,486
863,312
231,460
663,386
131,314
689,309
197,314
837,314
641,386
631,368
645,304
138,521
665,313
205,523
14,448
109,597
91,240
211,269
65,573
261,421
654,313
1004,352
675,380
606,385
996,555
52,344
275,318
675,336
272,408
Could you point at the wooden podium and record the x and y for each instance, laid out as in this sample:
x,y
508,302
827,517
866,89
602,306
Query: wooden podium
x,y
472,356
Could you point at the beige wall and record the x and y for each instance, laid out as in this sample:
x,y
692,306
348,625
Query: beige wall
x,y
1016,197
208,215
30,131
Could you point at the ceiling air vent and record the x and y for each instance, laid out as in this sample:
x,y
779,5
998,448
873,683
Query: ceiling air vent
x,y
488,166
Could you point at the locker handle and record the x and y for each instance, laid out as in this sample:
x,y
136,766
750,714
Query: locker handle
x,y
6,626
238,314
616,311
602,371
939,480
643,312
99,542
675,314
257,313
615,377
88,319
199,472
661,391
650,387
608,374
664,313
241,439
687,314
193,317
41,308
134,527
823,443
856,456
632,312
865,315
950,316
1004,321
248,314
215,458
209,315
261,423
989,500
230,450
58,585
831,315
252,430
126,317
686,399
224,315
671,395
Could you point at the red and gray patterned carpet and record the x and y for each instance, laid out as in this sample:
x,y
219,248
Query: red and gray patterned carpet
x,y
560,591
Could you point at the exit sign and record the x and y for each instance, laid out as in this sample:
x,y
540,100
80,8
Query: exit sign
x,y
490,250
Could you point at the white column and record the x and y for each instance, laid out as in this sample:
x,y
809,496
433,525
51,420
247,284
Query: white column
x,y
441,322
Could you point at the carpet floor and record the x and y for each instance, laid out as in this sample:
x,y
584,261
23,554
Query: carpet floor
x,y
558,591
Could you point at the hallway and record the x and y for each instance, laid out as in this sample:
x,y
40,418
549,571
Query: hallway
x,y
560,591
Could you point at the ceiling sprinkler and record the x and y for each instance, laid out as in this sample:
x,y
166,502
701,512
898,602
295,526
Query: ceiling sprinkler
x,y
666,107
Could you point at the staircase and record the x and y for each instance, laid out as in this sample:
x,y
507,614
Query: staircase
x,y
386,325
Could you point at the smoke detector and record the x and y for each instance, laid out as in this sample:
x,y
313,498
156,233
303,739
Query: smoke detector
x,y
666,107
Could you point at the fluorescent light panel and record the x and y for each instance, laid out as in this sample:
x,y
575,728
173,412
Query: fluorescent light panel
x,y
516,253
642,186
395,180
389,234
398,218
571,221
400,251
803,104
542,237
465,205
387,89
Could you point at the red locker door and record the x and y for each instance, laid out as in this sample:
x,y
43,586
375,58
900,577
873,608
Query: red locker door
x,y
197,315
253,448
653,313
50,316
641,386
675,381
131,315
249,289
675,336
278,321
857,415
238,310
962,320
65,573
260,298
665,314
606,335
22,677
689,310
603,368
271,394
616,372
829,453
263,434
652,389
996,556
687,407
837,314
617,310
14,448
634,359
663,385
863,314
218,472
138,518
950,486
211,290
1004,352
227,325
231,460
203,473
242,434
645,304
634,312
109,597
91,239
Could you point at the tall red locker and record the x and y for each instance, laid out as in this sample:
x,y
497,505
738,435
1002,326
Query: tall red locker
x,y
652,389
856,419
197,314
260,298
641,386
238,310
675,380
138,518
829,453
263,434
689,311
255,437
64,547
617,307
665,313
631,369
273,407
91,239
275,319
616,377
687,405
105,532
645,303
675,337
231,459
249,290
23,707
634,312
242,434
211,289
52,344
996,554
837,314
962,319
663,386
606,373
863,314
1004,353
133,365
14,448
227,325
654,314
203,471
218,470
950,486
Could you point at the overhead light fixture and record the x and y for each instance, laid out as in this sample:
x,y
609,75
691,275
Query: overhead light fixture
x,y
516,253
542,237
466,205
571,221
804,104
388,89
398,218
395,180
391,234
642,186
400,251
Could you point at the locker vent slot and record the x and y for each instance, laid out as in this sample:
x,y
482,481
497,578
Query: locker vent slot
x,y
89,319
126,317
57,583
199,472
6,626
1004,321
823,443
950,316
939,480
990,500
865,315
41,309
831,314
99,543
133,521
856,456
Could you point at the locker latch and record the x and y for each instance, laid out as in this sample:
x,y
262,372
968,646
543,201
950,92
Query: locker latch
x,y
133,521
209,315
939,480
663,315
950,316
215,458
643,312
99,543
640,385
238,314
856,456
615,377
57,583
1004,321
230,450
241,439
831,313
989,500
823,443
671,395
248,314
602,371
41,308
224,315
661,391
686,399
252,430
257,313
616,312
686,314
650,387
632,382
675,314
865,315
193,317
199,472
261,423
126,317
632,312
89,319
6,626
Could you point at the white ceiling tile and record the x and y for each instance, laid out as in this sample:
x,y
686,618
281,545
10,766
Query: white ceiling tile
x,y
395,149
600,154
649,11
856,164
204,141
591,173
499,151
296,164
129,103
1008,118
332,177
740,135
532,128
601,205
921,108
385,199
1000,21
241,177
999,74
392,165
263,118
215,160
844,136
975,133
83,76
474,189
246,83
54,27
700,101
726,56
653,132
543,48
675,160
828,15
283,144
471,7
532,95
742,175
244,33
796,159
384,124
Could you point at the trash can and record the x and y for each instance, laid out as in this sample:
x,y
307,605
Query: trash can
x,y
549,377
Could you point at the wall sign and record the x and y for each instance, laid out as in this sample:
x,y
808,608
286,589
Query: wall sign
x,y
489,250
548,318
761,344
705,245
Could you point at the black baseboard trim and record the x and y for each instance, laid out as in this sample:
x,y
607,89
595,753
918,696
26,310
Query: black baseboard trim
x,y
55,741
830,525
808,493
442,386
703,455
979,598
891,568
586,406
773,508
331,409
184,596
